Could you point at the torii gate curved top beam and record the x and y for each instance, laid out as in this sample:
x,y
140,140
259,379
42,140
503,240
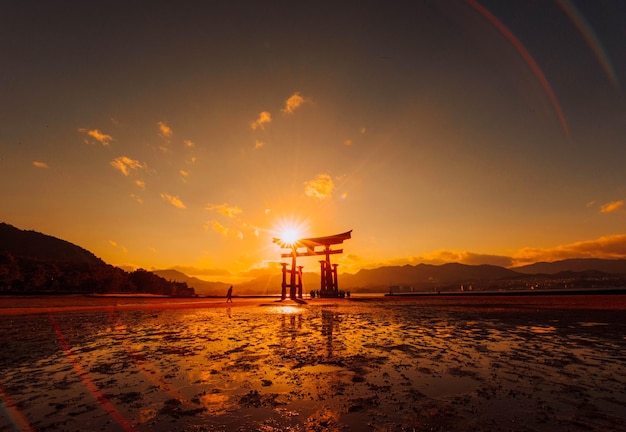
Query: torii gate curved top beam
x,y
310,243
329,287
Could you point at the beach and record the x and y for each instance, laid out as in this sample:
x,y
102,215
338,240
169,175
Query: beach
x,y
540,363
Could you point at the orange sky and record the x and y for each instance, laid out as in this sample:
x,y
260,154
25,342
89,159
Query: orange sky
x,y
163,135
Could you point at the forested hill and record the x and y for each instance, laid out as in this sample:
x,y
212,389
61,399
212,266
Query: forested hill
x,y
32,262
42,247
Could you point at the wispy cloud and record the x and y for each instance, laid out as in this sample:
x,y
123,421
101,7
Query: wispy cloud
x,y
291,104
137,198
125,164
321,187
164,130
117,246
175,201
189,143
184,174
611,206
214,225
225,209
140,183
40,164
97,135
258,144
264,117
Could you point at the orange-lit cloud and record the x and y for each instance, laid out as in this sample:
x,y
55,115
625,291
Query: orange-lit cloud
x,y
140,183
175,201
40,164
294,101
164,130
125,164
137,198
101,137
259,123
258,144
440,257
225,209
612,206
117,246
184,174
347,142
214,225
189,143
320,188
610,247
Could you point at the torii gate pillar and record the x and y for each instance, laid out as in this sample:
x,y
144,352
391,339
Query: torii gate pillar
x,y
328,272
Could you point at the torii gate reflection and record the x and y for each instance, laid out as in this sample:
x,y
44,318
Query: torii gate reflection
x,y
328,275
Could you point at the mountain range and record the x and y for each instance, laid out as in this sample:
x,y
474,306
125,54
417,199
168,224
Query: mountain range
x,y
22,251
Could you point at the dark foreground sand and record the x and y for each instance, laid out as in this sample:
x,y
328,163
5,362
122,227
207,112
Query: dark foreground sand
x,y
385,364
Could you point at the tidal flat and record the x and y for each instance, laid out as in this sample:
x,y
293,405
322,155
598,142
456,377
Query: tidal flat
x,y
378,364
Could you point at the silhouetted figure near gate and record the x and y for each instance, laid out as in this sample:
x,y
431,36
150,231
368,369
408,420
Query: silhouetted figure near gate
x,y
229,295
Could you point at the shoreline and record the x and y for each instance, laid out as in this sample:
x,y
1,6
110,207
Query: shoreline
x,y
602,300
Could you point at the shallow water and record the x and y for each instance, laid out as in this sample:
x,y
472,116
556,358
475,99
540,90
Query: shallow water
x,y
381,366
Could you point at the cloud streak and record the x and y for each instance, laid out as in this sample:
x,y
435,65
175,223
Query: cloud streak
x,y
259,123
175,201
608,247
292,103
97,135
164,130
320,188
225,209
125,165
39,164
611,206
117,246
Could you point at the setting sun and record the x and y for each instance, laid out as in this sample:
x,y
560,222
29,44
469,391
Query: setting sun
x,y
290,236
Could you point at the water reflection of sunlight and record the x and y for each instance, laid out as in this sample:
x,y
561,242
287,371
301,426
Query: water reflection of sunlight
x,y
286,310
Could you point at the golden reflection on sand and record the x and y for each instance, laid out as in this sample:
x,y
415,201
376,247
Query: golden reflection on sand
x,y
319,366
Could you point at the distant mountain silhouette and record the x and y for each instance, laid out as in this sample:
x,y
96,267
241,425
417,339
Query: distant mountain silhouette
x,y
31,261
38,246
617,266
200,286
447,277
424,274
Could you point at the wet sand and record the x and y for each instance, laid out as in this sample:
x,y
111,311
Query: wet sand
x,y
378,364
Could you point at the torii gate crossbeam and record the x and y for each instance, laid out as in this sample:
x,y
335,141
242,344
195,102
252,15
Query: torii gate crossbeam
x,y
328,278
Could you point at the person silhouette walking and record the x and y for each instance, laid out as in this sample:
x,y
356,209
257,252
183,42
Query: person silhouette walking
x,y
229,295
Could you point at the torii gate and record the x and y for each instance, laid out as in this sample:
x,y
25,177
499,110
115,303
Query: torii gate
x,y
328,276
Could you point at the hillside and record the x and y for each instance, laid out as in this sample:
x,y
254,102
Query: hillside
x,y
37,246
32,262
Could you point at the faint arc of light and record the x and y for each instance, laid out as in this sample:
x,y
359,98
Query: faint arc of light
x,y
13,413
527,57
87,382
590,37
